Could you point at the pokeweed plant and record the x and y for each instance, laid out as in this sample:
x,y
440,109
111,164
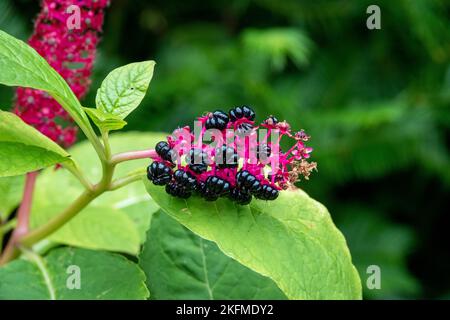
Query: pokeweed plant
x,y
229,222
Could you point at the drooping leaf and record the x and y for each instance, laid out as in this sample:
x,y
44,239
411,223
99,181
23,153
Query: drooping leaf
x,y
124,88
22,66
102,276
105,121
182,265
24,149
120,218
11,190
291,240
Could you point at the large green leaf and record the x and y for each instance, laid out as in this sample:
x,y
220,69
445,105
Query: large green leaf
x,y
116,220
291,240
22,66
96,227
181,265
102,276
11,189
24,149
124,88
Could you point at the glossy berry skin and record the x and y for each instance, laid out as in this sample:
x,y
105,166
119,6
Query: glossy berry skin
x,y
242,112
244,128
228,158
163,149
185,180
245,179
205,193
240,196
217,186
176,190
267,193
271,120
159,173
217,120
197,160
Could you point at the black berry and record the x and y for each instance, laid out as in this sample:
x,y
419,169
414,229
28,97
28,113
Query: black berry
x,y
267,193
244,128
245,179
159,173
197,160
217,185
207,194
185,179
242,112
226,157
217,120
271,120
176,190
164,151
241,196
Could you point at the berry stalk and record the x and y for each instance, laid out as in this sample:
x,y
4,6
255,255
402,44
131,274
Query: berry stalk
x,y
133,155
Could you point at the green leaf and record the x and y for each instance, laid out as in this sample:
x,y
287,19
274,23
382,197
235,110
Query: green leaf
x,y
11,190
105,121
24,149
116,220
22,66
102,276
124,88
96,227
291,240
181,265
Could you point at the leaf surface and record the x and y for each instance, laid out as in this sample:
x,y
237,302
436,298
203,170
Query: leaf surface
x,y
102,275
24,149
291,240
124,88
182,265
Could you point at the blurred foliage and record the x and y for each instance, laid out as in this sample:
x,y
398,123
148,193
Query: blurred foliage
x,y
375,102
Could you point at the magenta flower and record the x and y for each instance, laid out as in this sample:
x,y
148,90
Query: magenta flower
x,y
71,52
244,161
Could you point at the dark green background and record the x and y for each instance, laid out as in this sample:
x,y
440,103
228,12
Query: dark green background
x,y
375,102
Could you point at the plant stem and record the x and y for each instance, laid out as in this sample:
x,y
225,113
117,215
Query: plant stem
x,y
77,173
23,214
121,182
23,217
133,155
58,221
23,238
106,144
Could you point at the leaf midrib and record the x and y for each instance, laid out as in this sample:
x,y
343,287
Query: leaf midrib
x,y
41,265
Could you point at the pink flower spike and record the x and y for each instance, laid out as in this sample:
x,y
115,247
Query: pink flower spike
x,y
71,53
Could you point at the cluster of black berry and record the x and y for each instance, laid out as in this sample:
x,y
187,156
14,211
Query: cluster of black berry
x,y
197,177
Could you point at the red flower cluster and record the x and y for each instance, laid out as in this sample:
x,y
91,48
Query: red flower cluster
x,y
71,52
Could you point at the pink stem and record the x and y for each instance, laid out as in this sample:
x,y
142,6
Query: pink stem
x,y
133,155
23,214
266,138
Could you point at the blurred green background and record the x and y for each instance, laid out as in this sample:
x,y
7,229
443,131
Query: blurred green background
x,y
376,103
